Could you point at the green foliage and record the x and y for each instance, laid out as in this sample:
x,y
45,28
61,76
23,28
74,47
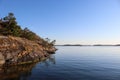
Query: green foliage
x,y
26,33
48,43
10,18
9,26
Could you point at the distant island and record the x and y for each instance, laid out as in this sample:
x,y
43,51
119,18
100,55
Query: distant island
x,y
88,45
21,46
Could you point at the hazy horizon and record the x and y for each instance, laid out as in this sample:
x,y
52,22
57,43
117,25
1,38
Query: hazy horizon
x,y
68,21
90,44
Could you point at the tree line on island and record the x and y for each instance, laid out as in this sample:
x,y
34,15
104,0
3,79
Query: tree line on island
x,y
10,27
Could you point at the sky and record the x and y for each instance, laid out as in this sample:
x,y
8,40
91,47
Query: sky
x,y
68,21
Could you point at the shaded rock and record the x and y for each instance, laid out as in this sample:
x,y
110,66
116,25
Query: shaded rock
x,y
16,50
2,60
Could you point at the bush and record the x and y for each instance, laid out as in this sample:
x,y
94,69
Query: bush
x,y
9,26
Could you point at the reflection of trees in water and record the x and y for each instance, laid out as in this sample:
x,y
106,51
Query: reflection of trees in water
x,y
15,72
50,60
22,71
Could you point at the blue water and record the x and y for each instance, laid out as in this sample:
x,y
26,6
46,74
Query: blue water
x,y
72,63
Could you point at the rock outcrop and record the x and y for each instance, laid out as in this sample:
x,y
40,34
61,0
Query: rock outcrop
x,y
16,50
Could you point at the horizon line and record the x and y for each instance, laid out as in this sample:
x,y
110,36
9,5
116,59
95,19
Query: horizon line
x,y
88,44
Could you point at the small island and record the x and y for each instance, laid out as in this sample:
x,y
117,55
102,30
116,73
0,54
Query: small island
x,y
21,46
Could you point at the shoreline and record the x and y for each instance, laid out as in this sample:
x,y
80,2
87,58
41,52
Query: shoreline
x,y
17,51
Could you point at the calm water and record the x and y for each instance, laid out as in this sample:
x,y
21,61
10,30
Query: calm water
x,y
71,63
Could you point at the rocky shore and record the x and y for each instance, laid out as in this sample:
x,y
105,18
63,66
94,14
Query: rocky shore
x,y
16,51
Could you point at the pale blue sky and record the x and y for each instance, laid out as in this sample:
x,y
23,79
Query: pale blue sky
x,y
68,21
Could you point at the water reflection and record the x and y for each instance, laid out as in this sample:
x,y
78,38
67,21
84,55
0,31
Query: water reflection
x,y
22,72
51,59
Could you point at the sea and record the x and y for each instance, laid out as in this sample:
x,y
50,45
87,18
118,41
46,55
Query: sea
x,y
71,63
